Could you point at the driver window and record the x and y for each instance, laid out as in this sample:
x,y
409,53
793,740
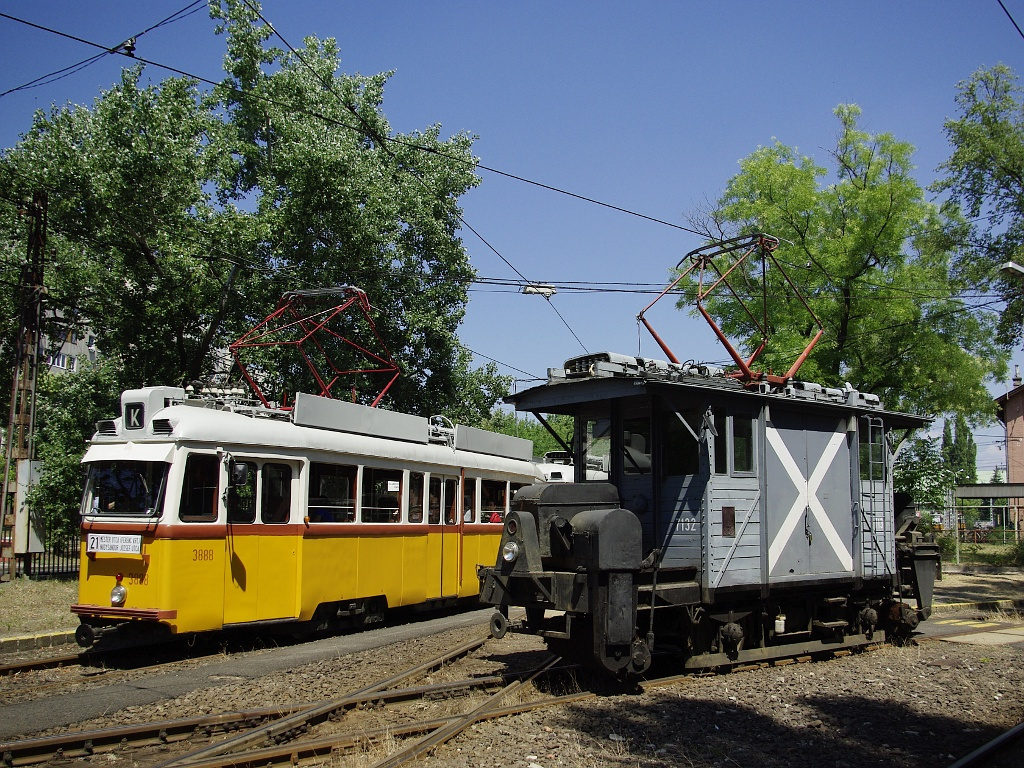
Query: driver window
x,y
680,443
636,446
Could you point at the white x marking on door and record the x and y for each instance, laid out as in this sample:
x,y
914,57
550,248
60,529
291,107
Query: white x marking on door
x,y
807,498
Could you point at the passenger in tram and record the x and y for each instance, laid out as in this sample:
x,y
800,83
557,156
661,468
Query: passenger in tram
x,y
318,513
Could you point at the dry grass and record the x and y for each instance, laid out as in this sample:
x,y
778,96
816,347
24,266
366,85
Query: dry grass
x,y
28,607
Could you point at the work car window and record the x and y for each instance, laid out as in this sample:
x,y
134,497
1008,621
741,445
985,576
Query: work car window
x,y
680,442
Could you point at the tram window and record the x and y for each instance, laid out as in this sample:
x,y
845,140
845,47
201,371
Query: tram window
x,y
382,488
681,451
277,493
125,488
492,500
469,504
241,497
721,445
416,482
450,502
199,489
331,497
434,502
636,446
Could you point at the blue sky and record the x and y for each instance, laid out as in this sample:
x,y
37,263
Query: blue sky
x,y
646,106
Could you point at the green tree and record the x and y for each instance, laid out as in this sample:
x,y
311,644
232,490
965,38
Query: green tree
x,y
985,176
509,423
922,472
873,258
339,200
962,456
178,218
69,405
129,244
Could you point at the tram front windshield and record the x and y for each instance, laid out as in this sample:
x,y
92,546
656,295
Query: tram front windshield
x,y
125,488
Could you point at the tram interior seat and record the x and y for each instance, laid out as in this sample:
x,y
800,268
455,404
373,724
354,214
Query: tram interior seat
x,y
325,510
384,511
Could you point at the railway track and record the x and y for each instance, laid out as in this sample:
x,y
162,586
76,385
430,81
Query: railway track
x,y
273,723
386,721
277,736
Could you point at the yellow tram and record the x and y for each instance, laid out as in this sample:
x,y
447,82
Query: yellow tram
x,y
207,512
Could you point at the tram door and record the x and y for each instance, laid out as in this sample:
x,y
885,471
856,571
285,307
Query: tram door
x,y
443,547
261,550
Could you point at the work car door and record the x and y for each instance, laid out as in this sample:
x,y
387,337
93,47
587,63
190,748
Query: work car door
x,y
809,519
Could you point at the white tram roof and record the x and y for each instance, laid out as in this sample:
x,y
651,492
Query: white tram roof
x,y
154,419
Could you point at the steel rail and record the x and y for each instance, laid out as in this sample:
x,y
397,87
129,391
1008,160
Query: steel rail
x,y
37,750
84,743
439,736
39,664
295,723
992,751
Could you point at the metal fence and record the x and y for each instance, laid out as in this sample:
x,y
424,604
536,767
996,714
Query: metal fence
x,y
57,558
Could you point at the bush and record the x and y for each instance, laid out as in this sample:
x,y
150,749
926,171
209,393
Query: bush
x,y
1017,554
947,546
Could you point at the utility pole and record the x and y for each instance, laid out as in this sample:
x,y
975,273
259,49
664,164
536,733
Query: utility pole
x,y
20,446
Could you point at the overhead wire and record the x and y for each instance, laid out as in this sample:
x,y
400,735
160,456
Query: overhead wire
x,y
1015,25
373,134
369,131
71,69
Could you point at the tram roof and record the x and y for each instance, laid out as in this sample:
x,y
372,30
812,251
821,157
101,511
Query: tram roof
x,y
162,416
608,376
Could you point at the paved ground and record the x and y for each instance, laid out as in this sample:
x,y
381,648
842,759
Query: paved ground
x,y
980,586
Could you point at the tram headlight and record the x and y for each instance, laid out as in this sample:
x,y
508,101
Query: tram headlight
x,y
510,552
119,593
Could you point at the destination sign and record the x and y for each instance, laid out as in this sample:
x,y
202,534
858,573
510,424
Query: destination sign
x,y
123,544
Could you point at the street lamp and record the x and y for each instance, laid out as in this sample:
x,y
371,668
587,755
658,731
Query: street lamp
x,y
1012,268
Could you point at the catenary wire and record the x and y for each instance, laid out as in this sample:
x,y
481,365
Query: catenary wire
x,y
366,130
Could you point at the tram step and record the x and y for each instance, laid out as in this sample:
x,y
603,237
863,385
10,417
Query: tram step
x,y
827,624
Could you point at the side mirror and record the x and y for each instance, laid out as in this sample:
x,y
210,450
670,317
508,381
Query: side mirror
x,y
239,474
